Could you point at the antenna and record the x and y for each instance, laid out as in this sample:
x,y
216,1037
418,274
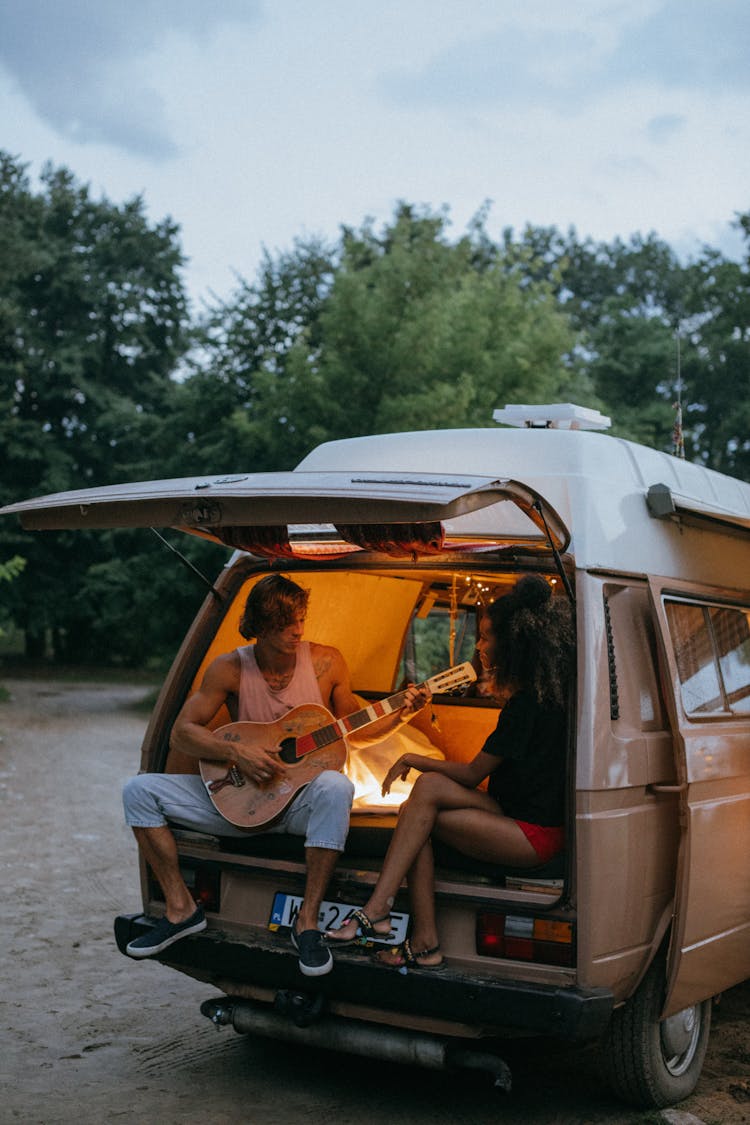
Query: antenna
x,y
678,439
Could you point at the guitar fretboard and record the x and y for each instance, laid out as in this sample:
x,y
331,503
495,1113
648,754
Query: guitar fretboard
x,y
324,736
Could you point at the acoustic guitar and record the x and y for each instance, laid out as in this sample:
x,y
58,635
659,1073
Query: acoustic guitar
x,y
307,740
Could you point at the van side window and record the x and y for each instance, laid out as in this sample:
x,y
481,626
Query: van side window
x,y
712,651
731,629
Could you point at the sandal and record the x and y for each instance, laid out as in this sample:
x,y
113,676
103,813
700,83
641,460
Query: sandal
x,y
365,929
403,957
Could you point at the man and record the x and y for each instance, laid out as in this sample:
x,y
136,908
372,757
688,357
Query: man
x,y
259,683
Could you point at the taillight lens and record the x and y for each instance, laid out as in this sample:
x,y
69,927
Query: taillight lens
x,y
521,937
203,883
206,889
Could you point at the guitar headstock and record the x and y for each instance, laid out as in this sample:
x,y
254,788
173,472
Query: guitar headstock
x,y
458,676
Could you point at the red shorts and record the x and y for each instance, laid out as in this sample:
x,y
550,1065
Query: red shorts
x,y
546,842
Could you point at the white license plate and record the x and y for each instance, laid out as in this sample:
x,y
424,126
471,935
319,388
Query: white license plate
x,y
332,915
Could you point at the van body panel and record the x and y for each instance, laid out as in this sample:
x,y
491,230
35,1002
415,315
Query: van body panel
x,y
482,1001
597,483
654,553
710,944
626,859
207,504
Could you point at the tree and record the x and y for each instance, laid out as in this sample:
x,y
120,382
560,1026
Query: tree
x,y
646,322
716,358
231,411
93,320
393,330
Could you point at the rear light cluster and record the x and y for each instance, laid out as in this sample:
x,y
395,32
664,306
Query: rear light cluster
x,y
206,889
520,937
204,884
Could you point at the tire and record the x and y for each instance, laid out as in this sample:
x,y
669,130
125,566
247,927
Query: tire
x,y
651,1064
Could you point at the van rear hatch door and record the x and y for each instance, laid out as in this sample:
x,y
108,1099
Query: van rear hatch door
x,y
705,649
205,505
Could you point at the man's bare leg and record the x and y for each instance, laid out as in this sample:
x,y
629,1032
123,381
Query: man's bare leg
x,y
159,849
320,866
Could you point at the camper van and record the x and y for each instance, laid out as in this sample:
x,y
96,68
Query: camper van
x,y
627,936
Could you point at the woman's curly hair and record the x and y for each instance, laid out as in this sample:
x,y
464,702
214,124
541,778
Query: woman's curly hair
x,y
533,639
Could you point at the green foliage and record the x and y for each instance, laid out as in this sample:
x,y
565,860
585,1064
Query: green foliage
x,y
234,409
419,336
103,378
12,568
398,329
93,320
8,571
651,331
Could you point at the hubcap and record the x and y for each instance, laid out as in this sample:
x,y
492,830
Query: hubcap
x,y
679,1038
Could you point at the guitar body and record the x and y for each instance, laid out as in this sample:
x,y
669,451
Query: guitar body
x,y
247,804
307,740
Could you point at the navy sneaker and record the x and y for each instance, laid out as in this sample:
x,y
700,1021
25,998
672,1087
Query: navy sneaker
x,y
315,958
165,933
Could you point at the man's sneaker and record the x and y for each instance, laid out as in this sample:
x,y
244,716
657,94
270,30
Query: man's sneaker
x,y
165,933
314,955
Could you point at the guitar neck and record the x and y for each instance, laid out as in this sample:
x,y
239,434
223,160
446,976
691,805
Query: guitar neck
x,y
324,736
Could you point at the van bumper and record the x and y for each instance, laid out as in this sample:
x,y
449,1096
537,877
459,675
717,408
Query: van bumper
x,y
269,962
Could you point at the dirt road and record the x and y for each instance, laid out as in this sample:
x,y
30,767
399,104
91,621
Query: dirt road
x,y
89,1036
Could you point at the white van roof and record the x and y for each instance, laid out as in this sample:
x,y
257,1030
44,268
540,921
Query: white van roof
x,y
611,504
628,507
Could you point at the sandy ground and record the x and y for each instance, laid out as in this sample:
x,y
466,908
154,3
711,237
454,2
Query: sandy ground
x,y
89,1036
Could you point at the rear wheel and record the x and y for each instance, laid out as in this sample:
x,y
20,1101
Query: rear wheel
x,y
651,1063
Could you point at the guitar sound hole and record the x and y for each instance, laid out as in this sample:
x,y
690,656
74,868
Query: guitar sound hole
x,y
288,752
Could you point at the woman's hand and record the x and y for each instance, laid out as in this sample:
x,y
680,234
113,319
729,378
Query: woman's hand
x,y
399,769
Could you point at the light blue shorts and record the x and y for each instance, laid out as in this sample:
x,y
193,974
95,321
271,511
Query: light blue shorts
x,y
320,812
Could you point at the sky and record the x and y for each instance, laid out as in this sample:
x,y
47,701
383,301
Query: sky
x,y
253,123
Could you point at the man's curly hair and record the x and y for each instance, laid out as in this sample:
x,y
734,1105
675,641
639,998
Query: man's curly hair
x,y
533,640
272,604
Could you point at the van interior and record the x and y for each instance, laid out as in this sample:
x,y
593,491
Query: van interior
x,y
395,625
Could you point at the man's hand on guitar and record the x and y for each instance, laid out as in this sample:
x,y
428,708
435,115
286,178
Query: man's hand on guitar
x,y
257,763
417,696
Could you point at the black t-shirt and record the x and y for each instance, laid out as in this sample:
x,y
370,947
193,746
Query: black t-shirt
x,y
529,783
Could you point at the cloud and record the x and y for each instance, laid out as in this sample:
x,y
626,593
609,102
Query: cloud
x,y
513,65
662,128
692,46
79,63
688,45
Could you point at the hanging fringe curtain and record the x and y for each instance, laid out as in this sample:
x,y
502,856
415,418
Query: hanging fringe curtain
x,y
398,540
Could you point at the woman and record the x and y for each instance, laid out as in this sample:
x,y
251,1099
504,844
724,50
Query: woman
x,y
526,644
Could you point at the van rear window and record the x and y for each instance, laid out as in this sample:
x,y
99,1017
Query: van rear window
x,y
712,650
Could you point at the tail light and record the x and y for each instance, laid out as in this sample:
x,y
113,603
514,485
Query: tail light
x,y
204,885
521,937
206,888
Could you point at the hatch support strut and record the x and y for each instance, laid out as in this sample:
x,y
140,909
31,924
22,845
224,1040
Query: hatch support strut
x,y
537,506
188,564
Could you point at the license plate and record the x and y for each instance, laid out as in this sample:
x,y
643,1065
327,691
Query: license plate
x,y
332,915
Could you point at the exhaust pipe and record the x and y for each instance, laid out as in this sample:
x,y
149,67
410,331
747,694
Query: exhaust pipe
x,y
296,1020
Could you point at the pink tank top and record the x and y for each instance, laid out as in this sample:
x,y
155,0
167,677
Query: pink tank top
x,y
258,704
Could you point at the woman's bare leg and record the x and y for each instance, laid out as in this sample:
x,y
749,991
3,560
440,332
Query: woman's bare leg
x,y
492,839
431,794
424,941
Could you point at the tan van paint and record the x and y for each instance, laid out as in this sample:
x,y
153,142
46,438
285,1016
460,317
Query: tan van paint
x,y
650,912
